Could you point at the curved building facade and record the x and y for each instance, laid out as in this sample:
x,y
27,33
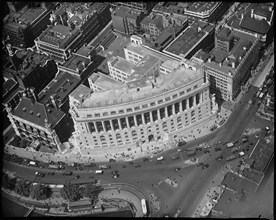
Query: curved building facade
x,y
158,105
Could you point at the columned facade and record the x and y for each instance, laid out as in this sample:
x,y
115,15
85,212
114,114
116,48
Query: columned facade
x,y
147,125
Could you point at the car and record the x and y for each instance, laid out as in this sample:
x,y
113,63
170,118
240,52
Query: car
x,y
50,173
206,151
112,160
76,177
217,149
160,158
130,162
78,168
145,159
114,172
115,176
198,148
137,165
177,168
179,150
39,174
208,146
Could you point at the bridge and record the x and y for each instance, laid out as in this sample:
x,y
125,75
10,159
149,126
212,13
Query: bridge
x,y
29,211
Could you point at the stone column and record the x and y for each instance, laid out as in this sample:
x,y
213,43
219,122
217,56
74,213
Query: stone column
x,y
127,122
180,106
119,122
135,120
112,127
151,116
143,119
194,103
173,109
158,114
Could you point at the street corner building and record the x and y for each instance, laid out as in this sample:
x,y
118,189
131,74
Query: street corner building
x,y
149,96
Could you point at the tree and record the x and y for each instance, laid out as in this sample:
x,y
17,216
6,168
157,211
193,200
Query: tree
x,y
7,182
91,191
40,192
22,187
70,192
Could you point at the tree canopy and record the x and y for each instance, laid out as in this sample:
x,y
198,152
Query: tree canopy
x,y
71,192
40,191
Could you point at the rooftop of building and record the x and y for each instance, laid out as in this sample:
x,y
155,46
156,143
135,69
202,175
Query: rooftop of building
x,y
60,87
190,37
253,175
106,82
80,93
237,183
122,64
156,20
181,76
86,50
202,55
27,15
244,42
168,8
249,23
76,62
58,35
37,113
262,155
202,7
27,59
8,86
142,67
170,31
121,11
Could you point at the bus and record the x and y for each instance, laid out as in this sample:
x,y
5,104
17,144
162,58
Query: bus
x,y
32,163
144,207
53,166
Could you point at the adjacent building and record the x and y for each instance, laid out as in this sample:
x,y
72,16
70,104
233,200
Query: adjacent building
x,y
200,35
144,7
73,24
230,63
152,25
44,117
31,68
256,18
126,20
207,11
23,24
160,98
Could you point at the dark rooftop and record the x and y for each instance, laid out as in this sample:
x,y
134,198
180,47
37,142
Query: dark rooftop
x,y
8,85
60,87
258,26
36,112
76,62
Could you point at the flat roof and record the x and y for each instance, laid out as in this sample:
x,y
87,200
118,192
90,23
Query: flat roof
x,y
75,62
262,155
141,68
123,65
237,183
80,92
200,7
60,87
58,35
188,38
107,82
32,14
253,175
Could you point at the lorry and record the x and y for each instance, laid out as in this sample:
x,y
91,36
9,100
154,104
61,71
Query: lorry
x,y
230,144
231,157
99,172
32,163
53,166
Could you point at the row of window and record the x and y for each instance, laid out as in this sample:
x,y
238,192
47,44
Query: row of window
x,y
144,106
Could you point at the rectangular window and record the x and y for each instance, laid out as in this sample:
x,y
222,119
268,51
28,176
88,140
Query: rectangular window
x,y
182,93
167,98
189,90
144,106
136,108
113,113
160,101
129,110
174,96
121,111
152,104
97,114
195,86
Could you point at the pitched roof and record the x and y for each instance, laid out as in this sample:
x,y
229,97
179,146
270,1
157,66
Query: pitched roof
x,y
36,112
259,26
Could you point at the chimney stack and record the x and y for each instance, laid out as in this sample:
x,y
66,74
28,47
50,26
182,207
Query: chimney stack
x,y
33,93
53,100
233,65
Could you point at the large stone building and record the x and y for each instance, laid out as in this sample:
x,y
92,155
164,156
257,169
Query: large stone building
x,y
73,24
23,24
159,99
229,65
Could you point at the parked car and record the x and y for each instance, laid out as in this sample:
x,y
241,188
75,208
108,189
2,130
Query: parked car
x,y
200,164
205,166
76,177
206,151
39,174
217,149
177,168
137,165
115,176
